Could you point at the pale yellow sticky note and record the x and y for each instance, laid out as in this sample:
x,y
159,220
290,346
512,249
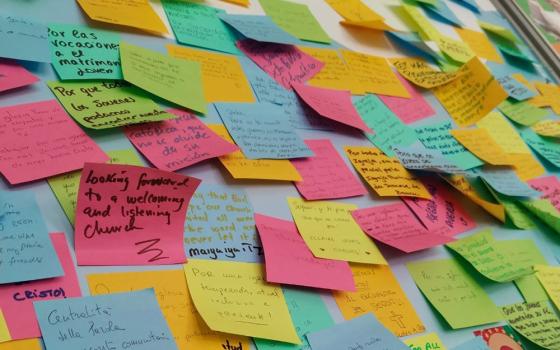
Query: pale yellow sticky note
x,y
426,29
263,169
374,74
26,344
482,145
234,297
239,2
420,73
386,175
550,128
136,14
334,74
457,50
526,166
472,95
356,13
4,331
428,341
549,97
549,276
330,232
479,44
379,292
222,76
503,133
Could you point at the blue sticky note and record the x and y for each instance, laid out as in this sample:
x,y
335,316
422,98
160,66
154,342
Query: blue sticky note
x,y
259,28
220,225
23,39
474,344
441,12
470,4
414,44
505,181
515,88
111,321
547,148
26,250
364,333
309,314
262,131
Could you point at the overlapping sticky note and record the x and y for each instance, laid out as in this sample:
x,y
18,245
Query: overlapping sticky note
x,y
419,22
506,182
503,133
483,145
259,28
257,309
548,148
420,73
549,97
549,277
536,322
26,344
23,39
417,157
479,44
549,187
428,341
457,50
413,44
550,128
335,73
356,13
523,112
13,76
411,109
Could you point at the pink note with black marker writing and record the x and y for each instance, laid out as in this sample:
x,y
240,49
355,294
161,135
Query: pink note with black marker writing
x,y
130,215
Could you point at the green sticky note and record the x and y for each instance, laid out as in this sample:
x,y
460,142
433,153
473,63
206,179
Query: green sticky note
x,y
309,314
454,293
296,19
515,212
535,321
531,289
522,112
79,52
548,148
196,24
173,79
106,104
545,211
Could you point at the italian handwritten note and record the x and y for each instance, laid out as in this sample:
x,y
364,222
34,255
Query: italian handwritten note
x,y
13,76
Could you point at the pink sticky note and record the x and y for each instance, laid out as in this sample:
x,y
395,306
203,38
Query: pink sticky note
x,y
549,186
411,109
14,76
285,63
39,140
177,143
396,225
326,175
333,104
131,215
289,260
443,210
16,299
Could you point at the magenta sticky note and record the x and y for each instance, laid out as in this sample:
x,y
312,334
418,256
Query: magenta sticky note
x,y
13,76
409,110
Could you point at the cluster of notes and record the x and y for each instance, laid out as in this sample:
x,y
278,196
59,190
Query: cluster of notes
x,y
452,117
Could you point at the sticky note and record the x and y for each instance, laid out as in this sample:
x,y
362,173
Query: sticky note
x,y
137,14
259,28
296,19
531,289
479,44
418,157
503,133
356,13
473,95
409,110
285,63
364,332
516,214
550,128
549,277
220,226
515,89
13,76
419,22
549,149
441,12
261,131
4,331
425,342
534,321
526,166
24,39
549,97
482,145
326,175
420,73
335,74
240,167
173,79
460,300
130,215
177,143
330,232
289,260
106,104
26,344
239,2
549,187
506,182
196,24
413,43
386,175
498,30
500,336
170,287
523,112
545,211
473,344
373,74
456,49
257,309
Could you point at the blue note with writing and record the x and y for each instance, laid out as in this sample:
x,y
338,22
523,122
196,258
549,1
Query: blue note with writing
x,y
473,344
506,182
259,28
413,43
26,250
23,39
441,12
111,321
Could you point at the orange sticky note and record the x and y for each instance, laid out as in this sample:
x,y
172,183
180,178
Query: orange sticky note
x,y
479,44
26,344
550,128
356,13
482,145
239,2
335,74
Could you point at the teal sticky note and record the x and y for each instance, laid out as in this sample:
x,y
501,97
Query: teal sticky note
x,y
364,333
474,344
548,148
26,250
441,12
506,182
198,25
259,28
309,314
23,39
110,321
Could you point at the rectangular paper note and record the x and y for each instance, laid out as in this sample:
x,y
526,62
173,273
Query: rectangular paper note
x,y
420,73
503,133
506,182
409,110
482,145
130,215
479,44
23,39
335,74
549,187
27,344
259,28
425,342
13,76
523,112
417,157
549,277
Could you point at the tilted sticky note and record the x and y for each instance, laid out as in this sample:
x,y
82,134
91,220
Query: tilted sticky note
x,y
14,76
479,44
356,13
550,128
482,145
335,73
420,73
259,28
549,277
428,341
24,39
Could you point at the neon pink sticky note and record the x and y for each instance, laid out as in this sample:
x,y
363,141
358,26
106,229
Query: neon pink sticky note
x,y
549,186
285,63
16,299
410,109
39,140
326,175
13,76
333,104
443,210
131,215
395,225
177,143
289,260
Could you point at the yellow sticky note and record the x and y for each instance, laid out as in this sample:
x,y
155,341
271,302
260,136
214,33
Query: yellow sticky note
x,y
386,175
521,78
136,14
482,145
549,277
222,76
4,331
379,292
330,232
472,95
550,128
499,31
549,97
262,169
526,166
26,344
356,13
334,74
428,341
239,2
503,133
234,297
457,50
479,44
420,73
373,74
423,25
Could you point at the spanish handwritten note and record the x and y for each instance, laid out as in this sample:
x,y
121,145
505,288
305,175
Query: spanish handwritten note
x,y
23,39
129,215
420,73
13,76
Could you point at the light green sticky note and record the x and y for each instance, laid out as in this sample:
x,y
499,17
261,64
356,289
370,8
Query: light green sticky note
x,y
106,104
296,19
454,293
522,112
545,211
531,289
498,30
173,79
65,187
536,322
309,314
548,148
515,212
